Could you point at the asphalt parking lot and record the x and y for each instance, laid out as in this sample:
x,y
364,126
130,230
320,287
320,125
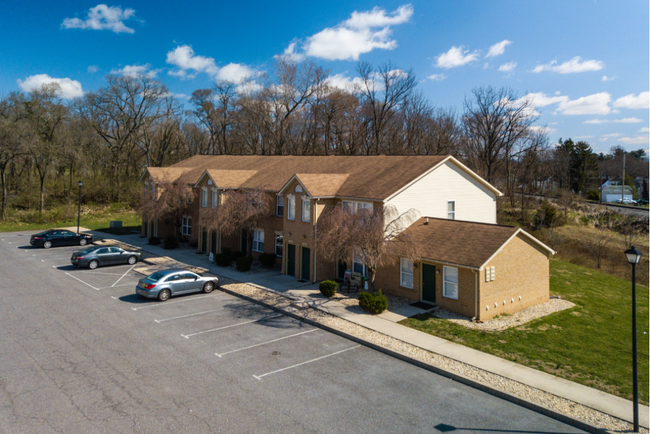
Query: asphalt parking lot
x,y
83,353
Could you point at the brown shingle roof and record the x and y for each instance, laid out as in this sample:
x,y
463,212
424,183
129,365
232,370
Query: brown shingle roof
x,y
321,184
165,174
370,177
460,242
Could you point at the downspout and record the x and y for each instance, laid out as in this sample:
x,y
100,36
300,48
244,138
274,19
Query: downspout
x,y
315,235
475,294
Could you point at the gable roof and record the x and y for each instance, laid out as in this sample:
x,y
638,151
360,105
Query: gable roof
x,y
463,243
163,174
229,179
319,184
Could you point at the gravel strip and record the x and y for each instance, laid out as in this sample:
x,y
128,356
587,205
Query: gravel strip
x,y
536,396
507,321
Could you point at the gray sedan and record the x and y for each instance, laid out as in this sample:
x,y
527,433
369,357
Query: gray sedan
x,y
96,256
166,283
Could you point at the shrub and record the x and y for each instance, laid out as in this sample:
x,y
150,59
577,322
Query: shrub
x,y
267,259
547,216
593,195
222,260
170,243
237,255
154,241
244,263
373,303
328,288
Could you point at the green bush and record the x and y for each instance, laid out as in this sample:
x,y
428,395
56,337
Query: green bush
x,y
328,288
170,243
244,263
154,241
222,260
373,303
593,195
237,255
547,216
267,259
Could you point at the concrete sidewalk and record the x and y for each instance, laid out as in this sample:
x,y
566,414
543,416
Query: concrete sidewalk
x,y
386,324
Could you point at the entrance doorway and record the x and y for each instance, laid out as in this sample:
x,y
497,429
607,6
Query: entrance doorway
x,y
213,242
305,260
429,283
291,260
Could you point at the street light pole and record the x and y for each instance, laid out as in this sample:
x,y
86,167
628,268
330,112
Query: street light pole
x,y
633,256
79,208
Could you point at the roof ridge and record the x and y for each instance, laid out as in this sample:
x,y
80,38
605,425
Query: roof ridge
x,y
474,222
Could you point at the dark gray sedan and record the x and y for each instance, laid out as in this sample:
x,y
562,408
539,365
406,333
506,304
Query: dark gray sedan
x,y
97,256
166,283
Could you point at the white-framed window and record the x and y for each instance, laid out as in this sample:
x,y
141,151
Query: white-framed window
x,y
279,206
450,282
258,240
279,239
451,210
215,197
358,266
204,197
306,210
186,229
291,204
489,274
406,273
356,206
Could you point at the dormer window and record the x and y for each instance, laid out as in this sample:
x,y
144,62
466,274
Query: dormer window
x,y
204,197
291,203
279,206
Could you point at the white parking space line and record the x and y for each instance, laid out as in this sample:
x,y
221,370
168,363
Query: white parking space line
x,y
97,289
173,302
125,273
118,286
99,272
264,343
185,316
259,377
232,325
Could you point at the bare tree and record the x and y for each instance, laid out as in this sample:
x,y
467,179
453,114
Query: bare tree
x,y
12,135
168,202
377,238
239,210
598,242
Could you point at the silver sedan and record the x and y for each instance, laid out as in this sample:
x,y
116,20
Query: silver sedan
x,y
167,283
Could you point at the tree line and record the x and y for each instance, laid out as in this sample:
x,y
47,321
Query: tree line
x,y
108,136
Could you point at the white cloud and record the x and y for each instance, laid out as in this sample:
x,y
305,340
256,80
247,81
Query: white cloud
x,y
571,66
619,121
235,72
596,121
634,102
102,17
93,69
361,33
507,67
596,104
183,56
640,140
136,70
612,135
644,130
545,130
67,88
603,139
437,77
456,56
606,78
498,48
291,53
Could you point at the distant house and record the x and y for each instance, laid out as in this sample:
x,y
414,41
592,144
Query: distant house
x,y
463,242
611,193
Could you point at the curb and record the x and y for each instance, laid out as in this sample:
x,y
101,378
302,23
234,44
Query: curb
x,y
474,384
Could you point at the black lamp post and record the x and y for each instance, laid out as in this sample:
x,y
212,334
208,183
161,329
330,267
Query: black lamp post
x,y
633,257
79,209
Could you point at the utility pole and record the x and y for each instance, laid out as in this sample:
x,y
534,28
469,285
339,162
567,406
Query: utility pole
x,y
623,181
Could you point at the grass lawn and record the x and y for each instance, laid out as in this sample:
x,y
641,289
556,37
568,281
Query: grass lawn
x,y
590,343
98,218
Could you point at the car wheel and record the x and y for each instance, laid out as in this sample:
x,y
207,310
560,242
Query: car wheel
x,y
208,287
132,260
83,242
164,295
93,264
47,244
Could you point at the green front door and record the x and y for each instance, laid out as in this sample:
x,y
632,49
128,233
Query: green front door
x,y
213,243
304,263
204,241
291,260
429,283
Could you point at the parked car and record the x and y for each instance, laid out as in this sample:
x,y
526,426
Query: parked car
x,y
642,202
167,283
59,237
626,201
97,256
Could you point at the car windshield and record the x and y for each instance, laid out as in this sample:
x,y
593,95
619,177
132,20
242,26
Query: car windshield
x,y
156,276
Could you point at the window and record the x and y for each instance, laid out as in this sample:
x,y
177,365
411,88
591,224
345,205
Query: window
x,y
358,266
291,214
306,210
146,186
451,210
489,274
278,244
279,206
215,198
356,206
450,282
187,226
406,273
258,240
204,197
153,187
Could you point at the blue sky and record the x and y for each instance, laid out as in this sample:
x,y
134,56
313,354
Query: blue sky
x,y
583,63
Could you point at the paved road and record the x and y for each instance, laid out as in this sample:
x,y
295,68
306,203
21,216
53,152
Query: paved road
x,y
82,353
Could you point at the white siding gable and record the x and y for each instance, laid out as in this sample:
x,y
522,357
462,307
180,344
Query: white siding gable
x,y
448,182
